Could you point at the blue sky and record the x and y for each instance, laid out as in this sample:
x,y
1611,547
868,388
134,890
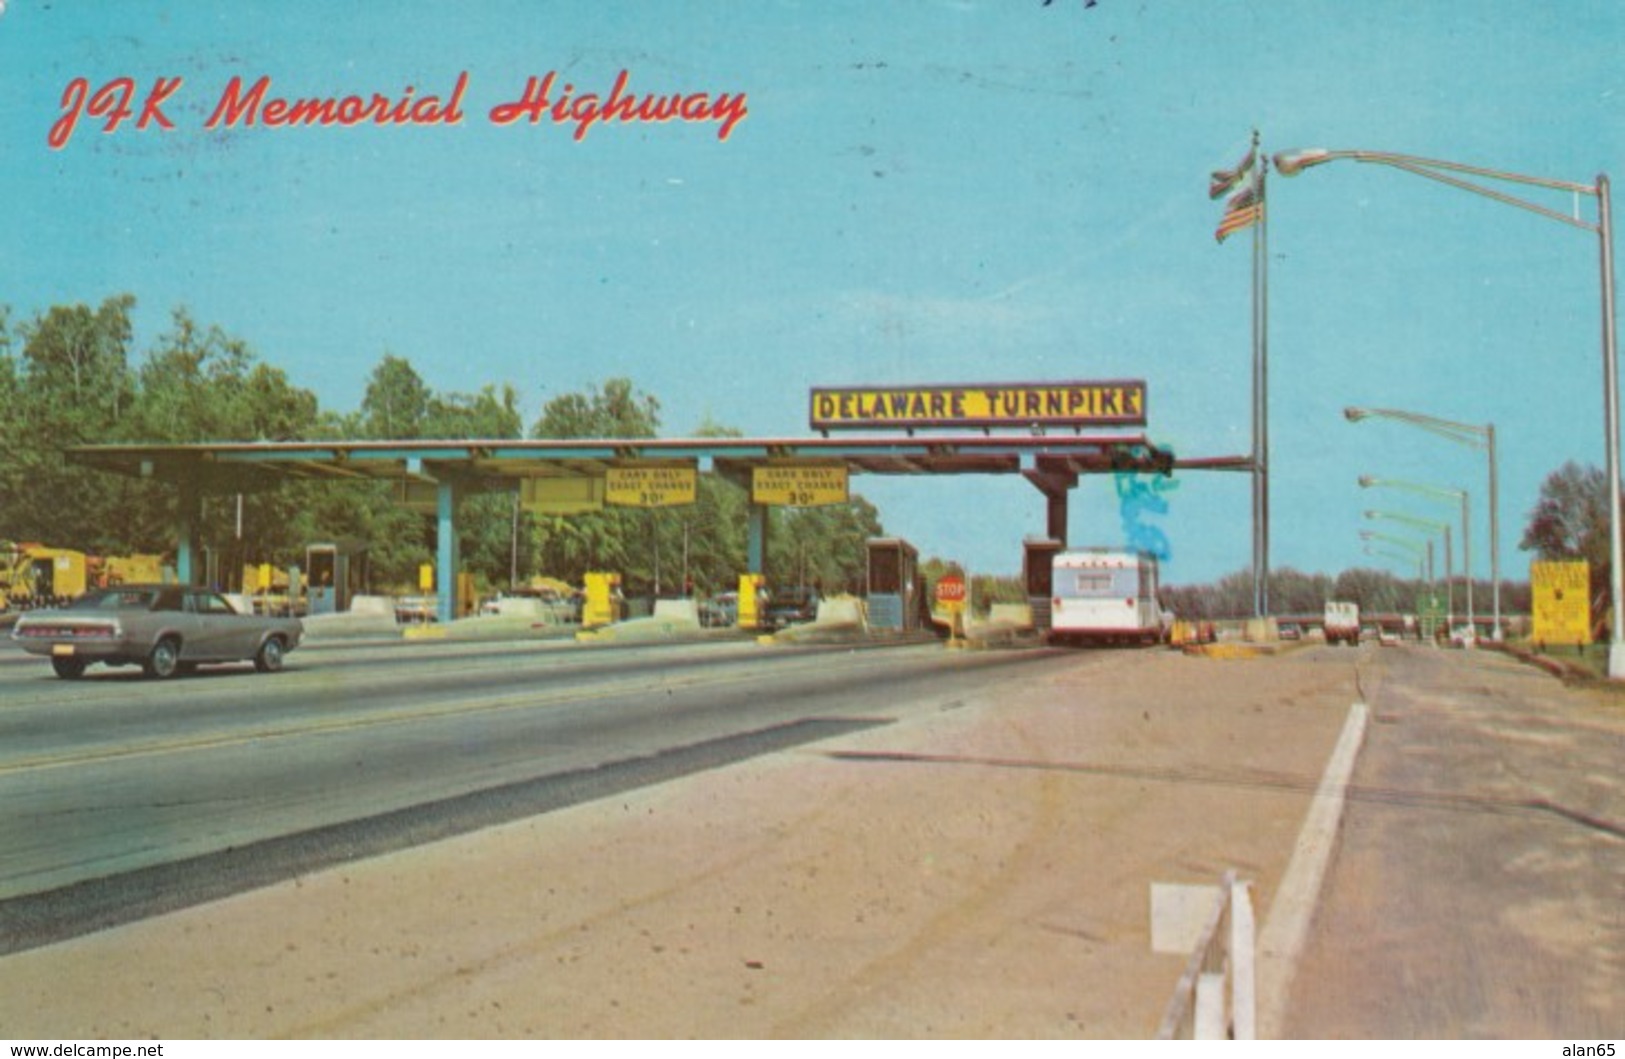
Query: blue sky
x,y
922,192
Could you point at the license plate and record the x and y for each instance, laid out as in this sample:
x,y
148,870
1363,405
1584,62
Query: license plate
x,y
62,649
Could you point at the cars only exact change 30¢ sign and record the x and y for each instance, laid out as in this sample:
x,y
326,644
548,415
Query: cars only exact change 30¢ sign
x,y
799,485
650,486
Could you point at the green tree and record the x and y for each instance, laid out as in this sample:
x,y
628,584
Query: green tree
x,y
616,410
202,384
1570,521
396,402
1570,517
826,547
617,540
72,385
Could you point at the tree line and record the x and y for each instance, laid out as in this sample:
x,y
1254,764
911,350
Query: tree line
x,y
70,376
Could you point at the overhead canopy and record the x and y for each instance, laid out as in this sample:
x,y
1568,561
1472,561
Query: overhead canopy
x,y
573,473
1049,460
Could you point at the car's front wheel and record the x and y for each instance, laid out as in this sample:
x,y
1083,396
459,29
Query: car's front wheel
x,y
69,668
269,657
165,659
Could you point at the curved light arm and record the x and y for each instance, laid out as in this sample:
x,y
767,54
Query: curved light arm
x,y
1469,434
1403,542
1291,163
1424,523
1397,556
1369,480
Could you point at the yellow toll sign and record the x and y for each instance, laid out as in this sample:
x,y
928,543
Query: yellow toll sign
x,y
799,485
651,486
1561,602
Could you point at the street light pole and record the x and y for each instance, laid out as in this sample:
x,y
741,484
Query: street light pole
x,y
1441,493
1478,437
1290,163
1610,389
1436,526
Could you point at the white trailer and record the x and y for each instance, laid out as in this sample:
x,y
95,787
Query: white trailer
x,y
1342,623
1103,596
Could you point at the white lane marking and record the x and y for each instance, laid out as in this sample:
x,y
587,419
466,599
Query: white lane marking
x,y
1281,944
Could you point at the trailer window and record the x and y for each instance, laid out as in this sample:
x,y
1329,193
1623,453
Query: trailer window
x,y
1094,583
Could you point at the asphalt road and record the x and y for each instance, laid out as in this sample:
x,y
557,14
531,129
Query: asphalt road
x,y
890,843
126,797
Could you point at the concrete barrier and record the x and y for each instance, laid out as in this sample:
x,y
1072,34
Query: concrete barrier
x,y
837,617
1019,615
373,606
671,618
678,611
349,624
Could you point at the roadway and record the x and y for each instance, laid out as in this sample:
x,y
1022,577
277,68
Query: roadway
x,y
127,796
727,840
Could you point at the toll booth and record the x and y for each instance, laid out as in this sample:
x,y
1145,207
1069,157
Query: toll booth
x,y
603,602
895,597
749,604
334,574
1038,574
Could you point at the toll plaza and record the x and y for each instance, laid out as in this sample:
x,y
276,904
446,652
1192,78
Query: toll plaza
x,y
1035,430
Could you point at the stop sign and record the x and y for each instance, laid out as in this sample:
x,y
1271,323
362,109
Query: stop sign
x,y
950,589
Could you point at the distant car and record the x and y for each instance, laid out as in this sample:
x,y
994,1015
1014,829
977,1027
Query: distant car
x,y
413,610
560,607
720,611
1463,636
1289,631
164,629
791,606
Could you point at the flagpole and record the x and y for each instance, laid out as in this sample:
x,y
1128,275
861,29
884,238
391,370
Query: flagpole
x,y
1264,378
1246,209
1261,487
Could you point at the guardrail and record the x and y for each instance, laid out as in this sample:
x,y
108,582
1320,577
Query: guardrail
x,y
1216,997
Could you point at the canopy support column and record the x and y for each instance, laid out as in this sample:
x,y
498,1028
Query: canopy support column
x,y
756,538
1056,489
188,520
447,559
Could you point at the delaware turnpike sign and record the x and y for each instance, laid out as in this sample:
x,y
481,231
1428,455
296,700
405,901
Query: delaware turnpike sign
x,y
1016,405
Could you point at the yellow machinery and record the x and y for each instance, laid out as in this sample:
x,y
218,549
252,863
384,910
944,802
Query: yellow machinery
x,y
129,570
602,605
35,575
751,610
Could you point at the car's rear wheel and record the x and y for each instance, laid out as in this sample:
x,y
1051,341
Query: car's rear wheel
x,y
165,659
69,668
269,657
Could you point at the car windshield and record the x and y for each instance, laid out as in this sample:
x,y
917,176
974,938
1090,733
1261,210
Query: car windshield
x,y
116,599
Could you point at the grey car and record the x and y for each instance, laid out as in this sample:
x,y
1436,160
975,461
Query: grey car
x,y
164,629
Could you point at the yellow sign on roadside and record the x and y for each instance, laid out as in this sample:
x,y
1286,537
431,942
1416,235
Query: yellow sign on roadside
x,y
1561,602
799,485
651,486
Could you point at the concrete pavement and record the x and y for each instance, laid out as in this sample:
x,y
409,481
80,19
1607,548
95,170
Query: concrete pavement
x,y
1479,889
980,868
